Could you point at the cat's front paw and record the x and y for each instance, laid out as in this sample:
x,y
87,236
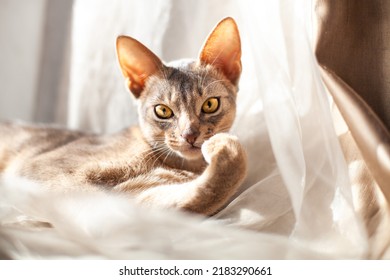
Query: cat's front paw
x,y
224,148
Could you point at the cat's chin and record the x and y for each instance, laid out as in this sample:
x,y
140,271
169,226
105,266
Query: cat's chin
x,y
190,153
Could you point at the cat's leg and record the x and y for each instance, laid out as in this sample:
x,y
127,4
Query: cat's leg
x,y
212,189
155,178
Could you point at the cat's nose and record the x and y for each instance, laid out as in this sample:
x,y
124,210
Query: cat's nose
x,y
190,136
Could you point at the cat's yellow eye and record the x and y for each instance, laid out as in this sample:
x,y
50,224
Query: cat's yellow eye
x,y
163,112
211,105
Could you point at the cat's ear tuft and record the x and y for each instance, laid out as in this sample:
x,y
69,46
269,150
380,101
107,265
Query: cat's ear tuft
x,y
222,49
137,62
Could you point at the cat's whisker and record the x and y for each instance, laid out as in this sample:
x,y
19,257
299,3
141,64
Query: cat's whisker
x,y
174,142
168,154
213,82
204,76
206,72
163,71
223,129
158,148
153,154
162,152
155,151
218,55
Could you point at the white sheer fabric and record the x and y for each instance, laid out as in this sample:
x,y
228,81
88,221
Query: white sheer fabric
x,y
297,184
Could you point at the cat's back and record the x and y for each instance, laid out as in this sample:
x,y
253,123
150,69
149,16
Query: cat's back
x,y
20,142
38,149
17,138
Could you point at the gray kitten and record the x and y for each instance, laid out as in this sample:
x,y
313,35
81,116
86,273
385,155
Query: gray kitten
x,y
179,156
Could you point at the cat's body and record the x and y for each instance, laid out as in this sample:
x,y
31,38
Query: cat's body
x,y
179,156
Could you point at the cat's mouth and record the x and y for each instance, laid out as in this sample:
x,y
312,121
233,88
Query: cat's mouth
x,y
188,151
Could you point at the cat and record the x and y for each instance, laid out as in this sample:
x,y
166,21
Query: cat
x,y
179,156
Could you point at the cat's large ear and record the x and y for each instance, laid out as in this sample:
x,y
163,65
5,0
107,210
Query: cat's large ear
x,y
137,62
222,49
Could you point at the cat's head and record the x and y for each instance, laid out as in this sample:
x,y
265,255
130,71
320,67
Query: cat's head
x,y
184,103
